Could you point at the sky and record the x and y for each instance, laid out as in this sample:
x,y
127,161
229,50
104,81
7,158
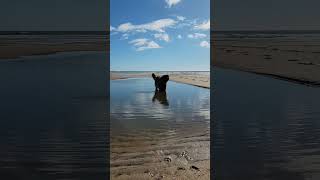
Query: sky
x,y
160,35
54,15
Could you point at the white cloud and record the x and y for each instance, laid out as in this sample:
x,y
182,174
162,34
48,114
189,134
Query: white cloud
x,y
125,36
171,3
143,44
125,27
139,42
158,25
196,36
179,36
203,26
112,28
181,18
162,36
205,44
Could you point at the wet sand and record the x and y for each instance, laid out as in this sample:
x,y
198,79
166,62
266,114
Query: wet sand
x,y
290,58
164,157
192,78
15,46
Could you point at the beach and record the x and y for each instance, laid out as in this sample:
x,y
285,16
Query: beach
x,y
15,45
293,56
284,56
200,79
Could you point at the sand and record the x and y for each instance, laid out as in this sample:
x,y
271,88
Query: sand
x,y
161,156
192,78
21,45
291,59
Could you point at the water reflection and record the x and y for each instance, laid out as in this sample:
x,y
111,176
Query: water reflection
x,y
53,117
145,129
273,125
136,99
161,97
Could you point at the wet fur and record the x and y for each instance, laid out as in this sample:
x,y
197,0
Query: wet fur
x,y
160,83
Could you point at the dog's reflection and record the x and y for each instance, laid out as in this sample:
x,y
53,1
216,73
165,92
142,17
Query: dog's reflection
x,y
161,96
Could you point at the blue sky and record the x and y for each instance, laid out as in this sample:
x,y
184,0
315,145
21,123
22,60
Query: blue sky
x,y
160,35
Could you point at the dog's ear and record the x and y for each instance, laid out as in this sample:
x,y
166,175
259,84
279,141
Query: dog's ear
x,y
154,76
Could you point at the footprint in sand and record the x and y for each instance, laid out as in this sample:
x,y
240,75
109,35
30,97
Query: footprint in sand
x,y
168,159
185,155
181,168
195,168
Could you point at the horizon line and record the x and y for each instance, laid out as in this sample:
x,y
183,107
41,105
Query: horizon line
x,y
159,71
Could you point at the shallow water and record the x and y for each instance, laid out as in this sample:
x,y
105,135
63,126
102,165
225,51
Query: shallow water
x,y
53,117
264,128
146,128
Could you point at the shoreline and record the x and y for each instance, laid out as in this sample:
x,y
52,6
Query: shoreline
x,y
297,64
194,80
175,79
295,80
15,46
45,51
288,79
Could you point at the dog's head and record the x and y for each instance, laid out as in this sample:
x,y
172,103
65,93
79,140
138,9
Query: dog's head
x,y
160,82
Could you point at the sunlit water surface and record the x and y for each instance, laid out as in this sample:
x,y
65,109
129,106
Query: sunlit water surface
x,y
146,127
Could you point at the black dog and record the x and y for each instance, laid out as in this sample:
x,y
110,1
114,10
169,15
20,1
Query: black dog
x,y
160,82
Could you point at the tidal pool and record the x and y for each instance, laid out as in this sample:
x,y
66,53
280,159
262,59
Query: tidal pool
x,y
159,134
264,128
53,117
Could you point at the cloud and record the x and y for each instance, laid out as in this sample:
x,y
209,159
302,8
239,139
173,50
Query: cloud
x,y
205,44
112,28
162,36
125,36
197,36
181,18
171,3
143,44
203,26
158,26
139,42
179,36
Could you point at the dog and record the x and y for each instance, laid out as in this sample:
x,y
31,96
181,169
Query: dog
x,y
160,83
